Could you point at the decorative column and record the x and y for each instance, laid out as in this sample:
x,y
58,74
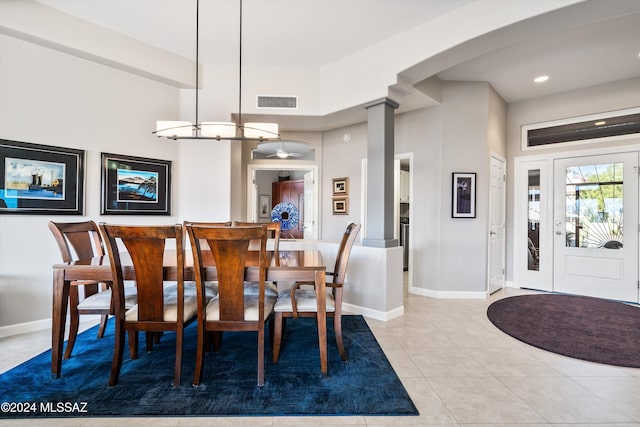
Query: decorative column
x,y
380,178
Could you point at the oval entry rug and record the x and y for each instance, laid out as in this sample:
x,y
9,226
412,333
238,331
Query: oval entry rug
x,y
586,328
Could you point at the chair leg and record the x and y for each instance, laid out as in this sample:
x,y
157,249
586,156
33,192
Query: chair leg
x,y
277,335
261,356
103,325
150,337
216,340
197,376
133,345
118,351
178,369
74,321
337,328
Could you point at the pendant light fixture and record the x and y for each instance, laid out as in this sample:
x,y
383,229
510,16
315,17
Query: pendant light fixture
x,y
217,130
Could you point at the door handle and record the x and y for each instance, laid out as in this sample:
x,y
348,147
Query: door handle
x,y
559,233
492,233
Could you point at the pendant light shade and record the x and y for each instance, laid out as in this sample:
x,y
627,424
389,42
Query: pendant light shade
x,y
218,130
174,129
260,130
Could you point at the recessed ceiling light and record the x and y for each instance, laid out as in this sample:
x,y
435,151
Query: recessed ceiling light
x,y
600,123
541,79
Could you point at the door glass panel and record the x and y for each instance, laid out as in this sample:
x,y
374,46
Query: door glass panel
x,y
594,206
533,223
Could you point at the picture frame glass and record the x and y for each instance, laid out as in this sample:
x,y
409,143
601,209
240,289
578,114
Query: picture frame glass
x,y
341,186
264,206
340,206
464,195
135,185
41,179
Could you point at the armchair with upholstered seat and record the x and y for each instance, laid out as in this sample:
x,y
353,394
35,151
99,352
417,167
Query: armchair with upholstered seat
x,y
301,301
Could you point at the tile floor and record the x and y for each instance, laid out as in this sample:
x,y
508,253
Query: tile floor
x,y
458,369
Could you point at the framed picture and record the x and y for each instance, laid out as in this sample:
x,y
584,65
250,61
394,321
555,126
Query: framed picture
x,y
340,186
340,205
135,185
264,206
41,179
464,195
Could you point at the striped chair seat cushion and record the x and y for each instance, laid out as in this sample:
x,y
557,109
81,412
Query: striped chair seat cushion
x,y
102,300
171,304
305,301
250,308
252,288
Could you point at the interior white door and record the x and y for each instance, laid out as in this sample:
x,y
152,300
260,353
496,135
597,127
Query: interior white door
x,y
596,226
497,224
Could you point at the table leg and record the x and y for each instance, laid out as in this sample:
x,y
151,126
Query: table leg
x,y
58,319
321,298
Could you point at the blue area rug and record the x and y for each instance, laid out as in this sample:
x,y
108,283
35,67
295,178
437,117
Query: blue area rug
x,y
364,385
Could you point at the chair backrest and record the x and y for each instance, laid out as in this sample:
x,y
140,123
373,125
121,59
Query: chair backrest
x,y
146,248
344,251
77,240
229,247
273,232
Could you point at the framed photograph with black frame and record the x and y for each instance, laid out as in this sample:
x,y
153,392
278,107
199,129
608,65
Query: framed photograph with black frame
x,y
41,179
464,195
135,185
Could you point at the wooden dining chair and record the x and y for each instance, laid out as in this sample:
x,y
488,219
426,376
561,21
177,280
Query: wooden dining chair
x,y
232,309
273,234
301,301
161,307
82,240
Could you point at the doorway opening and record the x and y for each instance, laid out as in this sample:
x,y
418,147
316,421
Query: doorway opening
x,y
290,190
403,172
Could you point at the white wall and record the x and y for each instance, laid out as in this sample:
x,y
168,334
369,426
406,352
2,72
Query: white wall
x,y
463,241
454,137
420,133
52,98
341,159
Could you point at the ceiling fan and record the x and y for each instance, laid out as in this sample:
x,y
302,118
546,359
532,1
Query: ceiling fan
x,y
283,149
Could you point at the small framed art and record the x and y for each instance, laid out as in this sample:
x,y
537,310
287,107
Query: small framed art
x,y
340,205
41,179
264,206
135,185
341,186
464,195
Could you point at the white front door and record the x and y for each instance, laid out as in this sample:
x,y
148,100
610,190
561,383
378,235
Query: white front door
x,y
596,226
497,224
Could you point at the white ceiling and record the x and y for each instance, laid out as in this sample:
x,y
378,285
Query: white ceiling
x,y
310,33
275,32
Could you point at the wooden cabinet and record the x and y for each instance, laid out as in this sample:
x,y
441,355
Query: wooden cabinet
x,y
291,191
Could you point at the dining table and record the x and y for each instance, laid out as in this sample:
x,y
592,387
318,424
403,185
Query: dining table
x,y
284,266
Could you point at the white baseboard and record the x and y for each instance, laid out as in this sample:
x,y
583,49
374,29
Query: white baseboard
x,y
26,327
374,314
448,294
44,324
